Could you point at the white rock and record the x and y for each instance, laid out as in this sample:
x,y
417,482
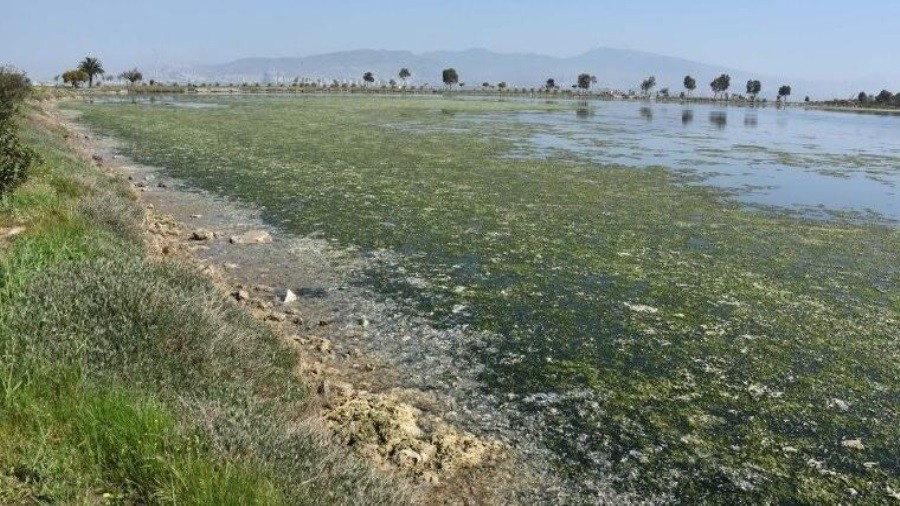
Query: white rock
x,y
853,444
640,308
839,404
252,237
289,297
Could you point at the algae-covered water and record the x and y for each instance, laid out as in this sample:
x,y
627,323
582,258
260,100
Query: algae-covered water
x,y
650,325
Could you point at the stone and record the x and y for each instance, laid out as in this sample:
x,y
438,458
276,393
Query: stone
x,y
252,237
839,404
289,297
241,295
853,444
277,317
323,345
641,308
202,234
407,458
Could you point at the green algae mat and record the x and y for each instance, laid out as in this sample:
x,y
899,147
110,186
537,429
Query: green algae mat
x,y
653,334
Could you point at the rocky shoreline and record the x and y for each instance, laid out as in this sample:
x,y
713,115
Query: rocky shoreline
x,y
302,287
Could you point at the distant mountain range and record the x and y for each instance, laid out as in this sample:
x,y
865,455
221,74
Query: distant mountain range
x,y
615,69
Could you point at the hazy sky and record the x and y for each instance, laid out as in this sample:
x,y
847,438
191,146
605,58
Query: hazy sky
x,y
821,39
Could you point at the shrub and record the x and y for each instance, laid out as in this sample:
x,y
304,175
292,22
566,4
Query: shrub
x,y
14,87
15,158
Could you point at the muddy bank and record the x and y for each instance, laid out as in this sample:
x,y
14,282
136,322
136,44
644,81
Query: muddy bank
x,y
385,381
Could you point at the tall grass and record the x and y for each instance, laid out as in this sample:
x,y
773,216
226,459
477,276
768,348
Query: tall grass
x,y
133,381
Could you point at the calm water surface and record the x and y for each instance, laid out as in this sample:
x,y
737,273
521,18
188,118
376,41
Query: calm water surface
x,y
801,159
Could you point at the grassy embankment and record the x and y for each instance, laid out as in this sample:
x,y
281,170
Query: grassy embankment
x,y
131,380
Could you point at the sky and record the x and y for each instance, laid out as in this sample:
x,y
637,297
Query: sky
x,y
826,40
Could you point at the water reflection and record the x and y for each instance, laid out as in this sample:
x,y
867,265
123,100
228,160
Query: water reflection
x,y
718,119
751,120
584,110
647,113
793,158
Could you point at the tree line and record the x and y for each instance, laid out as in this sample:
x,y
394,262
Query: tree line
x,y
90,68
883,99
719,86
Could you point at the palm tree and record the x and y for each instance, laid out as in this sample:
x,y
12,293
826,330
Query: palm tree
x,y
92,67
132,76
404,74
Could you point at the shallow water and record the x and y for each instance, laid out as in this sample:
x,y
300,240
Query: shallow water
x,y
795,158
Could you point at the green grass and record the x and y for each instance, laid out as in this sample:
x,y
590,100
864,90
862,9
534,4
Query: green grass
x,y
125,380
722,388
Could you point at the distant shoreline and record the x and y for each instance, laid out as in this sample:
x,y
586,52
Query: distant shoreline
x,y
879,111
512,93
